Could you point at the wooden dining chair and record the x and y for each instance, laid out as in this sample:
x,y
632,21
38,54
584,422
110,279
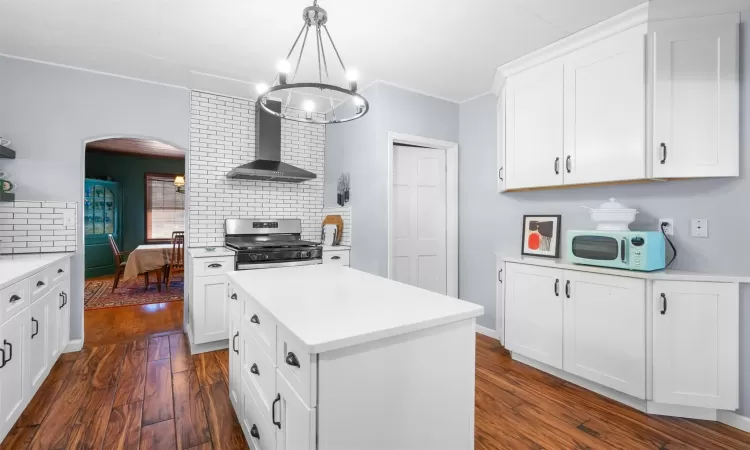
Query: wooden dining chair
x,y
176,258
120,261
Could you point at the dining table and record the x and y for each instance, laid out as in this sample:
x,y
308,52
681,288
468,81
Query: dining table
x,y
147,258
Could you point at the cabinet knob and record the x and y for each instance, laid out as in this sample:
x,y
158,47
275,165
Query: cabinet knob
x,y
254,432
60,271
335,257
254,369
214,266
255,319
40,283
14,298
233,297
292,360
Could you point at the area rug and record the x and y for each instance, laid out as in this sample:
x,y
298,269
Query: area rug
x,y
98,292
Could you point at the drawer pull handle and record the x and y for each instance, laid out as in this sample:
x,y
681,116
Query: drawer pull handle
x,y
557,166
567,288
214,266
60,271
292,360
273,411
663,304
254,369
335,257
663,153
65,299
35,322
40,283
233,297
254,432
557,287
10,352
567,164
255,319
14,298
234,346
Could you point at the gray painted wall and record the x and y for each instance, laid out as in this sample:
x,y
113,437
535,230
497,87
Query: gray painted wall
x,y
361,148
491,222
49,111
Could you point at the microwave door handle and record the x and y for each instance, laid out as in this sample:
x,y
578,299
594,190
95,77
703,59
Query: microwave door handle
x,y
622,250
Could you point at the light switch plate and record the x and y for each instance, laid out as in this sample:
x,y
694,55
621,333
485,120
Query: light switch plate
x,y
69,218
699,228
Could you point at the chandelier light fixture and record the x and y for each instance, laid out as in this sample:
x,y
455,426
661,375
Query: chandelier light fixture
x,y
315,19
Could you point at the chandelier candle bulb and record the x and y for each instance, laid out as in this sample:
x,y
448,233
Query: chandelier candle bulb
x,y
283,67
352,75
261,88
309,107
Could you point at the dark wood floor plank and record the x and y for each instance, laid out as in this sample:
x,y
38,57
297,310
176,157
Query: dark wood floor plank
x,y
191,424
94,416
70,356
179,352
158,436
45,396
18,438
226,432
207,368
222,359
132,384
124,428
157,403
206,446
158,348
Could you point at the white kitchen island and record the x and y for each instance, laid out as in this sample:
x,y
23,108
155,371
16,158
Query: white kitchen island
x,y
328,357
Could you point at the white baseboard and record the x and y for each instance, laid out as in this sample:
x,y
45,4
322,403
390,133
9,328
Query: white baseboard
x,y
74,345
487,332
735,420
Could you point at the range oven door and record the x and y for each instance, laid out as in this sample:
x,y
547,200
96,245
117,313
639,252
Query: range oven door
x,y
606,249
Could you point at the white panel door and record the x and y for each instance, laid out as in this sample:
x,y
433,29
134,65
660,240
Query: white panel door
x,y
64,310
54,302
696,344
14,368
605,110
418,215
534,312
605,330
298,429
696,97
39,354
534,127
235,340
210,300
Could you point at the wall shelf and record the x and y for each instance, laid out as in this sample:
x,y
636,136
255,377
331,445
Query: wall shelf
x,y
7,153
7,197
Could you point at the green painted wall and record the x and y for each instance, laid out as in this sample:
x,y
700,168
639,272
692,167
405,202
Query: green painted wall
x,y
130,171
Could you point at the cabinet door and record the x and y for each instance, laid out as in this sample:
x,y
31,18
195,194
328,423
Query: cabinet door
x,y
534,127
534,312
234,359
605,330
696,97
298,429
39,354
605,110
696,344
210,314
14,373
54,302
64,309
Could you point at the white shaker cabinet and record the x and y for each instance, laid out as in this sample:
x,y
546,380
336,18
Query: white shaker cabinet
x,y
696,97
534,128
605,110
299,430
63,296
210,302
15,379
39,352
605,330
534,313
696,344
235,340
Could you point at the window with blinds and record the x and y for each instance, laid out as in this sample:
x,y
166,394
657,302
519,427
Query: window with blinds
x,y
165,207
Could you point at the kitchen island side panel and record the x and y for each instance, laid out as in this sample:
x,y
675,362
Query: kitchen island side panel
x,y
410,391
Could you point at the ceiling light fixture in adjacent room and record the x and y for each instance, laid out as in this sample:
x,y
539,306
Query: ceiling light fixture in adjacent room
x,y
315,19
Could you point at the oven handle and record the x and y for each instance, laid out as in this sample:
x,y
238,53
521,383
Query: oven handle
x,y
309,262
622,250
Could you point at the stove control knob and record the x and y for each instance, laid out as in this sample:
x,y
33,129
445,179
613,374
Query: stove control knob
x,y
253,257
305,254
265,256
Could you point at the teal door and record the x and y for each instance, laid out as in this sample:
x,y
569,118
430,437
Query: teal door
x,y
101,217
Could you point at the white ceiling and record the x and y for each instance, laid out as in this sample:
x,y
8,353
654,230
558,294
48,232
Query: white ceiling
x,y
132,146
448,49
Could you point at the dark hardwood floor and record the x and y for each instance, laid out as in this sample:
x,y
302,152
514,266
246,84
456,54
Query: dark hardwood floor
x,y
140,388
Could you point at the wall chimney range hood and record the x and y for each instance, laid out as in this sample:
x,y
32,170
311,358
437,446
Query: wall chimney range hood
x,y
267,165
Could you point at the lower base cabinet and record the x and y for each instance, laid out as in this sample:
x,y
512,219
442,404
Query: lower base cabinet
x,y
39,354
14,372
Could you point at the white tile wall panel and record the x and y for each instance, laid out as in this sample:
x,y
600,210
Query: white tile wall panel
x,y
36,227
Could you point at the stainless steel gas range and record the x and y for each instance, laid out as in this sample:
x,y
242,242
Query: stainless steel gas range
x,y
266,243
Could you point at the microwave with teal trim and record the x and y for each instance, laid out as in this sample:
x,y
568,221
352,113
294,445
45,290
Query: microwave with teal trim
x,y
631,250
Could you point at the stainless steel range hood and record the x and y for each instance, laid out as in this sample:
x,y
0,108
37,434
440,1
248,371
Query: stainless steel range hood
x,y
268,165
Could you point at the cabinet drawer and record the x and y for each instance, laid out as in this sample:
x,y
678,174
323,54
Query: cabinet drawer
x,y
213,266
297,366
39,284
340,257
59,271
259,431
257,322
259,371
13,299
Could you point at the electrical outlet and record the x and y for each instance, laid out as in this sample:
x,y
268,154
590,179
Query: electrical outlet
x,y
669,228
699,228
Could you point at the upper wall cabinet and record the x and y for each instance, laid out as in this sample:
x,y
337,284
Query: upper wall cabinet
x,y
696,97
623,100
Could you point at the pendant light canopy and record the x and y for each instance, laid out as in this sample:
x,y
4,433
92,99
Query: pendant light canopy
x,y
315,19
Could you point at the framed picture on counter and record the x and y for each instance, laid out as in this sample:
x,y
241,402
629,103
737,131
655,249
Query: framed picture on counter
x,y
541,236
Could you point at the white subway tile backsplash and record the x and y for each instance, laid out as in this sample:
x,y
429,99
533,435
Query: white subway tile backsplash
x,y
34,227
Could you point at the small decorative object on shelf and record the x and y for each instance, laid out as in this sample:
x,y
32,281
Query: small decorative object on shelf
x,y
541,236
7,197
5,151
342,196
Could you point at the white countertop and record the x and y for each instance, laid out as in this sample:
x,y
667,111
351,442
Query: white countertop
x,y
201,252
673,275
328,307
332,248
14,268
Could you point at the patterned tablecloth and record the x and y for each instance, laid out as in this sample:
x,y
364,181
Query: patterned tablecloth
x,y
146,258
